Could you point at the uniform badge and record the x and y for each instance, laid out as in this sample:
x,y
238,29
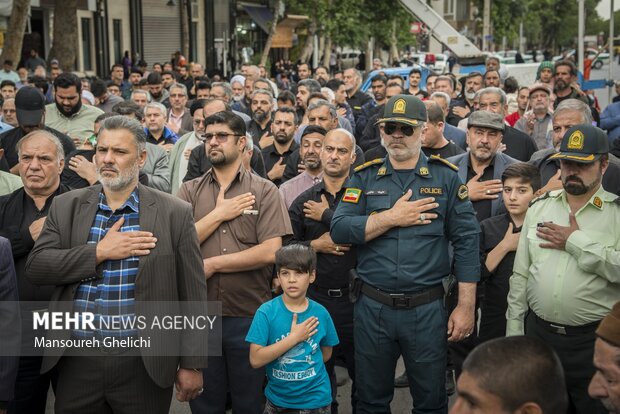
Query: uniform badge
x,y
431,190
352,195
575,141
423,171
598,203
400,106
382,171
462,193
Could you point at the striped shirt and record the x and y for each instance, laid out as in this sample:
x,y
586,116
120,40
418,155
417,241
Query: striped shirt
x,y
112,297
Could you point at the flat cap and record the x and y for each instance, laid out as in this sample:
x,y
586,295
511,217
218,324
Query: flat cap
x,y
486,119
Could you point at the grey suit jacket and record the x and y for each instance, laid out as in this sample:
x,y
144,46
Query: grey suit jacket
x,y
156,167
501,162
173,271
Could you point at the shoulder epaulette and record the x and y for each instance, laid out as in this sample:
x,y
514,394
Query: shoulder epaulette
x,y
542,197
443,161
369,163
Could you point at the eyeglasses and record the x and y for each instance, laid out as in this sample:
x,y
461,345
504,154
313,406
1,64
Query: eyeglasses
x,y
391,127
220,136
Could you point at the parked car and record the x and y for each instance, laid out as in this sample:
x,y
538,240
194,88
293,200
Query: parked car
x,y
590,53
349,59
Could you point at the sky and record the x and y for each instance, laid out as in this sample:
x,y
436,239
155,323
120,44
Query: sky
x,y
604,6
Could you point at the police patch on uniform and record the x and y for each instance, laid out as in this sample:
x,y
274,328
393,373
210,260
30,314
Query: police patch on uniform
x,y
400,106
352,195
462,193
382,171
431,190
598,203
423,171
575,141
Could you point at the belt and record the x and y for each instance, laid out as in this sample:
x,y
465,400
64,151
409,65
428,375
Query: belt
x,y
403,300
559,329
331,292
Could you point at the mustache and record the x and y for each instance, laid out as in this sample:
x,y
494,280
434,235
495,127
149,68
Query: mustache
x,y
573,178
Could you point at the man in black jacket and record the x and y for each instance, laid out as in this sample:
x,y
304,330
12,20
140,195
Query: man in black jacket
x,y
22,215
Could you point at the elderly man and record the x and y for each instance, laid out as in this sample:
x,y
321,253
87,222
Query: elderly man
x,y
179,156
537,122
240,220
569,113
356,98
68,115
604,383
22,216
9,120
109,249
461,108
402,213
565,278
482,166
140,97
179,118
155,126
511,375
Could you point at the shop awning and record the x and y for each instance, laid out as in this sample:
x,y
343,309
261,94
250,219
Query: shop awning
x,y
261,15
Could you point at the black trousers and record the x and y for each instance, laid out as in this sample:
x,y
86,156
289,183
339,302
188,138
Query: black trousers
x,y
341,311
102,384
575,353
31,387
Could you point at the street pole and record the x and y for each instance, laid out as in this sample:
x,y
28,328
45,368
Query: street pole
x,y
486,25
581,30
611,50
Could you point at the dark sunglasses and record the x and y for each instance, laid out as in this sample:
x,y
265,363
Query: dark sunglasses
x,y
391,127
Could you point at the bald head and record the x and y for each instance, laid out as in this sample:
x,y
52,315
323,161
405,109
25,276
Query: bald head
x,y
338,153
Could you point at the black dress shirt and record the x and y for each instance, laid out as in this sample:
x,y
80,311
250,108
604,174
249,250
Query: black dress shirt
x,y
271,156
332,271
483,207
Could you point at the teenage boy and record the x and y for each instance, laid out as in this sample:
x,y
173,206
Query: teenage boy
x,y
498,244
293,337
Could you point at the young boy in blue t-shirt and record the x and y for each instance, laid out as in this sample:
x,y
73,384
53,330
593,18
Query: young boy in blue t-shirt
x,y
293,336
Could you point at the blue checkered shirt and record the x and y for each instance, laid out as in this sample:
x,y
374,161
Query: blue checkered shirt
x,y
113,296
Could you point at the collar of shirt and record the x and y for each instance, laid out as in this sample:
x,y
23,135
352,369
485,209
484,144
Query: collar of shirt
x,y
420,169
48,200
165,136
271,149
597,201
241,175
176,118
132,202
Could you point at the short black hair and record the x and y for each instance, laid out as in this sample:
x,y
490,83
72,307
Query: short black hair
x,y
286,96
154,78
379,78
313,129
334,84
571,65
527,173
128,107
40,83
66,80
7,82
116,65
296,257
98,88
518,370
415,70
135,70
196,105
511,85
286,110
203,85
228,118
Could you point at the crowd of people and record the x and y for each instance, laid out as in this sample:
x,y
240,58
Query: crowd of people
x,y
469,226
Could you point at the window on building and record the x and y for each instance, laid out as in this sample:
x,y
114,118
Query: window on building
x,y
117,42
87,60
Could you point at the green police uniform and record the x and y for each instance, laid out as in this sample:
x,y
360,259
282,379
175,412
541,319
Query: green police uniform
x,y
403,262
559,296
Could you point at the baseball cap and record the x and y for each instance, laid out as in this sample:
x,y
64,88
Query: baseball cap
x,y
486,119
540,87
583,143
406,109
29,106
609,328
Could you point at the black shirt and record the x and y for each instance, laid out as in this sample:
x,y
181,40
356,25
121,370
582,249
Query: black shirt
x,y
9,139
496,283
198,163
356,102
332,271
257,132
271,156
482,207
519,145
452,118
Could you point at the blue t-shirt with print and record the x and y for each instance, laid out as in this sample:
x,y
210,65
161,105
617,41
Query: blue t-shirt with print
x,y
297,379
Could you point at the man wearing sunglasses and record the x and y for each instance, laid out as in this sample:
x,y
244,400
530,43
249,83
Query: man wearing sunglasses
x,y
402,212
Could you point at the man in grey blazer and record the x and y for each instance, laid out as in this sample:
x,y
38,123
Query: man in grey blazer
x,y
482,166
119,245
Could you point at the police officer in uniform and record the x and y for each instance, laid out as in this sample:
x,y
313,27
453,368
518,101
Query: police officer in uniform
x,y
402,213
